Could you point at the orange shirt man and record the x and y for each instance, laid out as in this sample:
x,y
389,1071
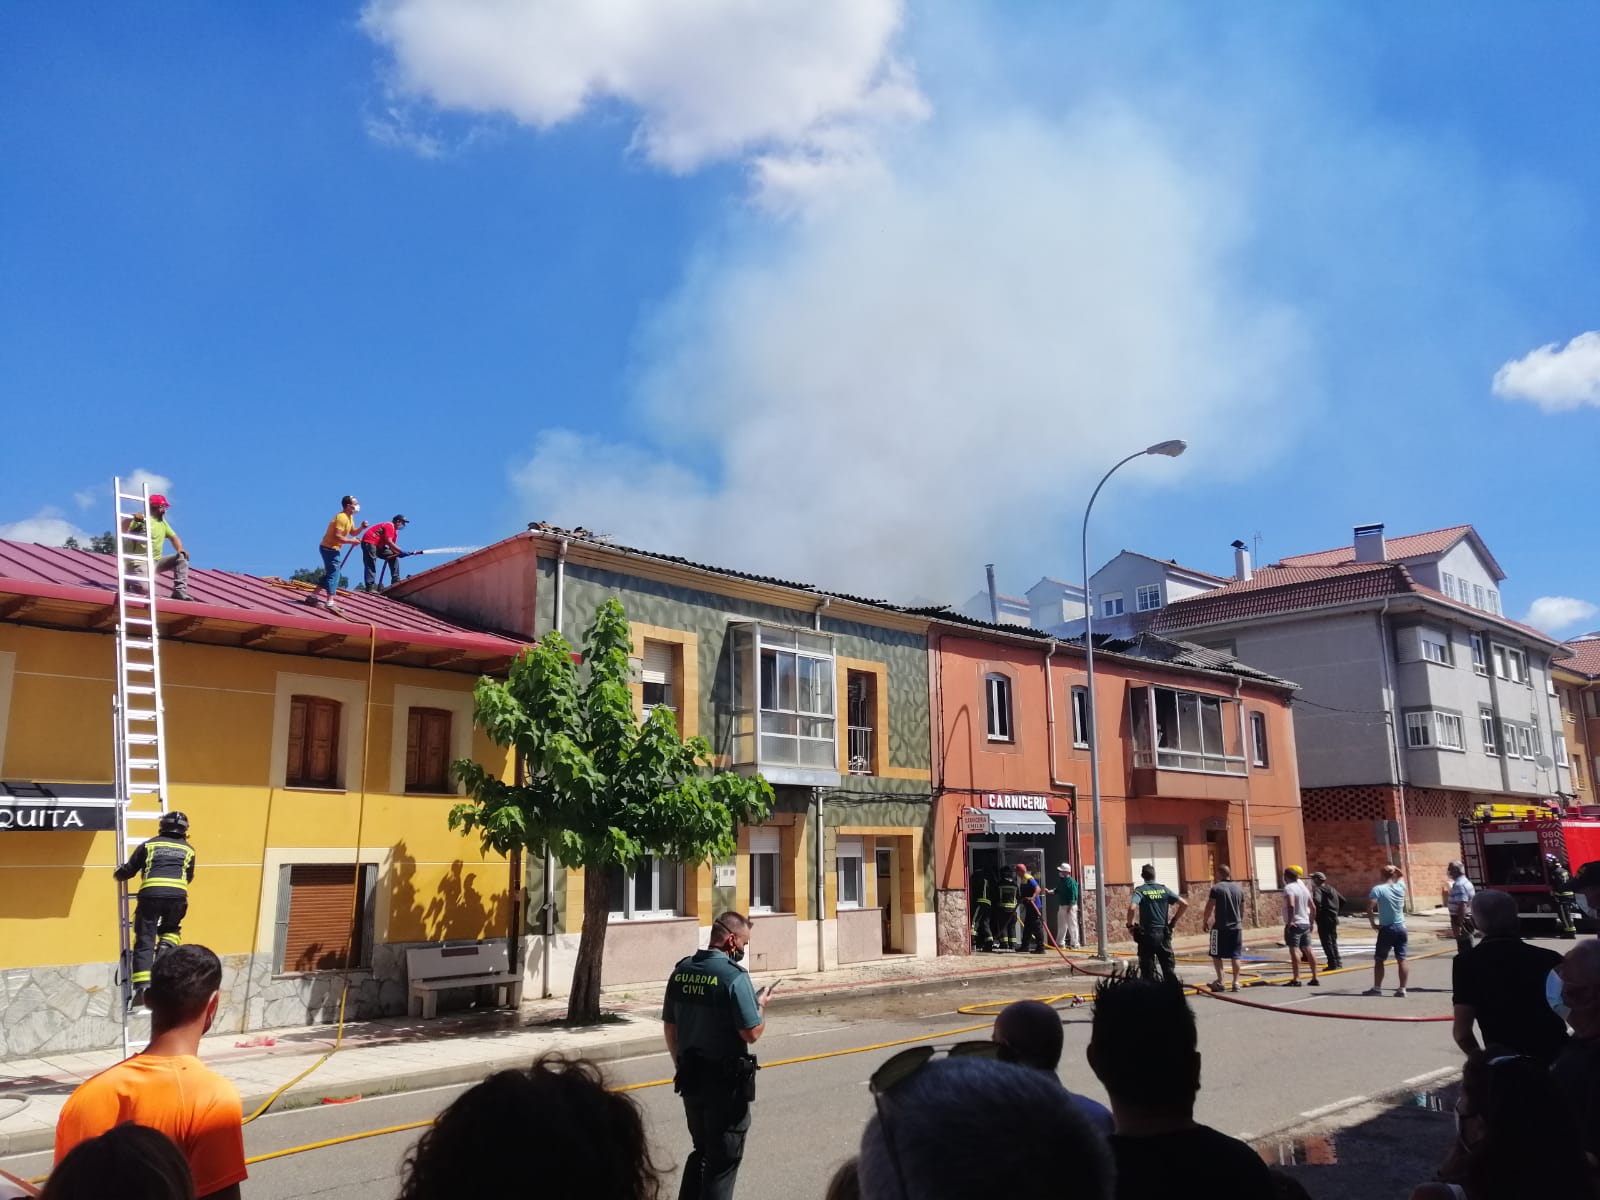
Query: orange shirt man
x,y
167,1087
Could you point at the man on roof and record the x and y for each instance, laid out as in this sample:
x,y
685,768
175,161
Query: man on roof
x,y
160,533
380,547
342,531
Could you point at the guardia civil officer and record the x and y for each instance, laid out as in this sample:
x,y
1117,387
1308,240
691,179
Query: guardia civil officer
x,y
712,1015
166,862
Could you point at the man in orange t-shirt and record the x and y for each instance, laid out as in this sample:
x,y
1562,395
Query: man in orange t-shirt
x,y
166,1087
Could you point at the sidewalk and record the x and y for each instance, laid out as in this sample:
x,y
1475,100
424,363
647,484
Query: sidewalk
x,y
398,1054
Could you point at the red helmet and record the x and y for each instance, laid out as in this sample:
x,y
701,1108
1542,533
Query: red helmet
x,y
1022,866
159,501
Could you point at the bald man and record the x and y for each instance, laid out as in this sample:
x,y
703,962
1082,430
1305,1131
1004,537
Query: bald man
x,y
1577,1068
1028,1033
1499,985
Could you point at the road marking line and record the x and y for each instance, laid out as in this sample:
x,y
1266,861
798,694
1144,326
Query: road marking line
x,y
1311,1114
1431,1077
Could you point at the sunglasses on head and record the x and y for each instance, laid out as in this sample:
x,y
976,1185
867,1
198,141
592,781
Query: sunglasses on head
x,y
898,1068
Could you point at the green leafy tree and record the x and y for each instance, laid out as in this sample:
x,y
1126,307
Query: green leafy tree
x,y
600,790
314,575
100,543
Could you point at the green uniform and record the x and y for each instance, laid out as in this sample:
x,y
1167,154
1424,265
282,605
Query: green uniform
x,y
1155,929
1066,891
709,1000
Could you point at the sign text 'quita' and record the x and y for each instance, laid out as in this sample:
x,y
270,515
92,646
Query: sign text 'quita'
x,y
58,818
1012,800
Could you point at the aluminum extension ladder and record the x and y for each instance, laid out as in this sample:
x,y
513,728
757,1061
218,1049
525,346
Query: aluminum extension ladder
x,y
1471,860
139,725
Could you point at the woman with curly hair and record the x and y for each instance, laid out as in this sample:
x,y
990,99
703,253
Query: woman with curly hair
x,y
557,1116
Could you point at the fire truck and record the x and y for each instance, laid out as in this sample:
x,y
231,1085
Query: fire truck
x,y
1506,847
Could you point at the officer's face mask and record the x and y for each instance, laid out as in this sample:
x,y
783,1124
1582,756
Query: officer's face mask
x,y
730,945
1555,997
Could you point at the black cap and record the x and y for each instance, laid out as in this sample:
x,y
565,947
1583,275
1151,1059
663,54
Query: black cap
x,y
1588,876
400,519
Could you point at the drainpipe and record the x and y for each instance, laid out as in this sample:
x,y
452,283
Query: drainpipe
x,y
1249,831
822,889
549,859
1392,699
1050,720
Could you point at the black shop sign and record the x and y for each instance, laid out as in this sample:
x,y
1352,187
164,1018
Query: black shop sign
x,y
56,818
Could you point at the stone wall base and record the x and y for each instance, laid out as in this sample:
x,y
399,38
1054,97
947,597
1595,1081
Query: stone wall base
x,y
56,1010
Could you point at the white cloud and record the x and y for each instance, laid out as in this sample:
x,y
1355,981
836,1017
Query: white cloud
x,y
86,497
48,527
1556,378
159,484
926,377
800,88
1556,613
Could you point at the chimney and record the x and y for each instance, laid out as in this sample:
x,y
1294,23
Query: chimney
x,y
1369,544
994,597
1241,563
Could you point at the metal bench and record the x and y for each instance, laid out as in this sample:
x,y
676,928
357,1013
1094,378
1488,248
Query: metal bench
x,y
438,969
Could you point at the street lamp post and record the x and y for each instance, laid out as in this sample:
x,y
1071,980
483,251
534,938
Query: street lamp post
x,y
1171,450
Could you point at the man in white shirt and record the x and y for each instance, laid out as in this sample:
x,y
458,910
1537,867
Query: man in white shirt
x,y
1298,908
1458,903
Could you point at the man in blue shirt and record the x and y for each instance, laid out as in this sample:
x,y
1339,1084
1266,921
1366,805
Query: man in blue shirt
x,y
711,1015
1029,1034
1386,909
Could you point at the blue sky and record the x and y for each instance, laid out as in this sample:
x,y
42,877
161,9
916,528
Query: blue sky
x,y
843,290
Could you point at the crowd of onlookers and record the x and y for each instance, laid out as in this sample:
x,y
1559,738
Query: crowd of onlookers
x,y
1527,1121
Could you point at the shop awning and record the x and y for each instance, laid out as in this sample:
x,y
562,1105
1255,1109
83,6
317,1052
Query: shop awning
x,y
1007,822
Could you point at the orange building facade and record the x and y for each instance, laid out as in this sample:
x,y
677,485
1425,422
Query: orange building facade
x,y
1197,768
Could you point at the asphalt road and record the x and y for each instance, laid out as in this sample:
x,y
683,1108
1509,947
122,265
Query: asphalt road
x,y
1262,1071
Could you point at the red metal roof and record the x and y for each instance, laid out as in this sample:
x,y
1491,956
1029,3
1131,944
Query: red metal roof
x,y
54,573
1411,545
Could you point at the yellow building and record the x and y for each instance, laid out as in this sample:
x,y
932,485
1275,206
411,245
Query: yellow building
x,y
310,753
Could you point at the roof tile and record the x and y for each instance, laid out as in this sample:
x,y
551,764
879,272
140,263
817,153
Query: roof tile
x,y
1411,545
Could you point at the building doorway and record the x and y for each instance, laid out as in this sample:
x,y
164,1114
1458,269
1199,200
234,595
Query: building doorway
x,y
1216,851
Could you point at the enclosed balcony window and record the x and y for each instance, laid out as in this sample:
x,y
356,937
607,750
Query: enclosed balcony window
x,y
785,712
1186,731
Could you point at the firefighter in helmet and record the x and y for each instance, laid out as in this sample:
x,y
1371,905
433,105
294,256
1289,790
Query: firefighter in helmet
x,y
1006,912
983,896
166,864
1564,895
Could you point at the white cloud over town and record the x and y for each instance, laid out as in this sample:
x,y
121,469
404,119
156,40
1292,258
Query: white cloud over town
x,y
1559,614
49,527
1553,377
796,89
928,373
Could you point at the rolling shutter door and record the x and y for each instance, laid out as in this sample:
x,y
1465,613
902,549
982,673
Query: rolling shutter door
x,y
1269,875
1160,852
320,907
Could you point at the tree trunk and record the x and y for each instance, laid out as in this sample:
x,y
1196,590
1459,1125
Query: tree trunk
x,y
583,1006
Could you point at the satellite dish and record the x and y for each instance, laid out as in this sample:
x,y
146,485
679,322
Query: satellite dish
x,y
1544,762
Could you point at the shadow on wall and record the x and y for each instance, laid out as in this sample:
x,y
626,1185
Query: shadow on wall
x,y
453,910
41,893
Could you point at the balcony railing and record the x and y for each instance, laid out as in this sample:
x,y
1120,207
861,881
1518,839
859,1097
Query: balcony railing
x,y
1182,760
859,745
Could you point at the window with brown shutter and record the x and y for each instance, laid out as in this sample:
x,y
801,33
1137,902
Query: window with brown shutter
x,y
428,750
320,933
313,759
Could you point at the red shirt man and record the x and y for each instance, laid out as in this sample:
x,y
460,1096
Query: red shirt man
x,y
380,545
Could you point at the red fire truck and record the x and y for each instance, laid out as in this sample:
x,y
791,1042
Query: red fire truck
x,y
1506,846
